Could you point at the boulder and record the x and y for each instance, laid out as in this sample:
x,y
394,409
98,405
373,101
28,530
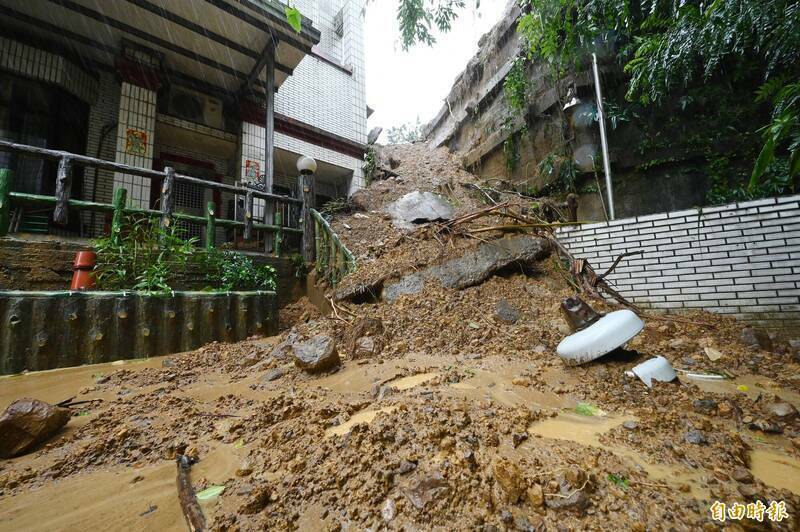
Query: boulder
x,y
27,423
474,267
408,285
419,207
361,201
317,354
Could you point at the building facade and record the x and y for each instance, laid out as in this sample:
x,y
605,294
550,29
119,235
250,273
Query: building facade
x,y
182,84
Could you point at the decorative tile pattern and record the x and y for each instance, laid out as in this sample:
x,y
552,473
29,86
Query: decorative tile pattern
x,y
136,124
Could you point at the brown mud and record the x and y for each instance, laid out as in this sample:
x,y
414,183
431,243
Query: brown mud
x,y
462,421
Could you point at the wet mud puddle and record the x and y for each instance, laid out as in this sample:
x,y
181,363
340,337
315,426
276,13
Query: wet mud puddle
x,y
586,430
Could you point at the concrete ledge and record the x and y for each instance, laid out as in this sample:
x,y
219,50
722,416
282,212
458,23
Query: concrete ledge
x,y
46,330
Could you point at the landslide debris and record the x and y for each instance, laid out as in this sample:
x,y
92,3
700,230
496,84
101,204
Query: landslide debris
x,y
448,409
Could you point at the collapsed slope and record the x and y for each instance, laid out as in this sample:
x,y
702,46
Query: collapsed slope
x,y
456,414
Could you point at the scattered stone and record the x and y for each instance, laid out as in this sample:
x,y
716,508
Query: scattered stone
x,y
259,498
766,426
781,411
521,381
245,469
28,422
421,491
389,510
704,406
508,476
678,343
567,498
743,475
756,339
713,354
504,312
317,354
630,425
419,207
273,375
518,437
696,437
406,467
365,338
535,495
748,491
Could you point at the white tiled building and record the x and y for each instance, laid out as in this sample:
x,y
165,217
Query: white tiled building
x,y
153,83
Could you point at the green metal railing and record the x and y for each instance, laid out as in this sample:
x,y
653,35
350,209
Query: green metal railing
x,y
334,260
62,203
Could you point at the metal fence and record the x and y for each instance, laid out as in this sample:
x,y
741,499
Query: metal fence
x,y
61,203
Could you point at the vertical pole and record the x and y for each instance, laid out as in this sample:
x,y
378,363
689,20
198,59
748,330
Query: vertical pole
x,y
278,221
601,117
120,197
5,200
211,224
63,188
248,215
269,131
167,197
306,181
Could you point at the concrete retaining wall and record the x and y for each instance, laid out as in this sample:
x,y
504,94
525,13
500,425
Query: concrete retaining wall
x,y
741,259
45,330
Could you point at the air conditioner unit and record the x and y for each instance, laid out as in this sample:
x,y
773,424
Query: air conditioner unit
x,y
195,107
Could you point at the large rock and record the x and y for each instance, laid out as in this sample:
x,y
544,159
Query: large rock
x,y
317,354
474,267
419,207
27,423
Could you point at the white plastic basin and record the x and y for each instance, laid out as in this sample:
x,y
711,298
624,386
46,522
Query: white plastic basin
x,y
608,333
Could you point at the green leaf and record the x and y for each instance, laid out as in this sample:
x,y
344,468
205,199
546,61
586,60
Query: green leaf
x,y
210,493
764,158
619,480
587,409
294,18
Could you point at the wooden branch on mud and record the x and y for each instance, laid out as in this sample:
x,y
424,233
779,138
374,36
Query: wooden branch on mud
x,y
189,505
616,262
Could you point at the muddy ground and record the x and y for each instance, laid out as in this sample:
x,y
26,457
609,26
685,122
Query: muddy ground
x,y
463,420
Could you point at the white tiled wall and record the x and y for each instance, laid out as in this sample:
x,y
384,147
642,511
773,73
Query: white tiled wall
x,y
321,94
39,64
741,259
137,113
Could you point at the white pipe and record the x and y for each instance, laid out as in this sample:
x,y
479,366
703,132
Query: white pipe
x,y
601,117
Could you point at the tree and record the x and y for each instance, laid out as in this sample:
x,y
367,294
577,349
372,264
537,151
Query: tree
x,y
405,133
666,46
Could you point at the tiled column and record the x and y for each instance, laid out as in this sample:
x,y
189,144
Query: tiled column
x,y
252,162
137,120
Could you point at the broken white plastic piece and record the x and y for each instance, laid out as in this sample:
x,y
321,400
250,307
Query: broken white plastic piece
x,y
658,369
606,334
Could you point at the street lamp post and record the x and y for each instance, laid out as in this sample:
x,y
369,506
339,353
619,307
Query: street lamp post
x,y
305,183
601,117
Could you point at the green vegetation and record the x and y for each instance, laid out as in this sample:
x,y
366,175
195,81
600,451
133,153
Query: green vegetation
x,y
405,133
149,258
675,52
230,271
145,257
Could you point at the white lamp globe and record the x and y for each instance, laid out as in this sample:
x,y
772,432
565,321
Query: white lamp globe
x,y
306,165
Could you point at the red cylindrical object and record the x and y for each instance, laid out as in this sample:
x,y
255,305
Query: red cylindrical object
x,y
83,268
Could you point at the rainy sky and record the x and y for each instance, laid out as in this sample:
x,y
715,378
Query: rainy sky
x,y
402,86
